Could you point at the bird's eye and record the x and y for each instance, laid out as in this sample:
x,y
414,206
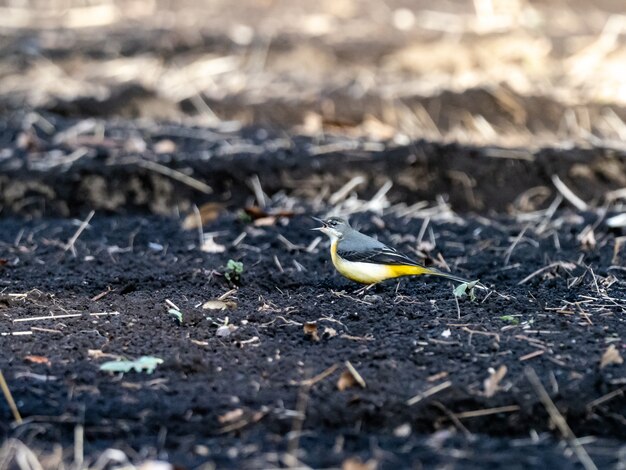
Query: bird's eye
x,y
332,223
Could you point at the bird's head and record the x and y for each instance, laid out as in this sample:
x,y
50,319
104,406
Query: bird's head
x,y
334,227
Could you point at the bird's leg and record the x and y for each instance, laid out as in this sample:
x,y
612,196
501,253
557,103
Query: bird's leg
x,y
364,289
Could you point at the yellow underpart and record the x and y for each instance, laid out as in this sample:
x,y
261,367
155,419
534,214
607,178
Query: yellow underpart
x,y
407,270
370,273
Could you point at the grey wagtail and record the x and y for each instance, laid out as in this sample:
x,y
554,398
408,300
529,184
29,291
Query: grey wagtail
x,y
364,259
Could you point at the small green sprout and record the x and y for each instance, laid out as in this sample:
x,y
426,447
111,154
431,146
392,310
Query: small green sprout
x,y
176,314
174,311
510,319
467,288
244,217
234,270
144,363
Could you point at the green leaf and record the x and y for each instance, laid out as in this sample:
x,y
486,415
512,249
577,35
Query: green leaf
x,y
234,269
144,363
244,217
459,291
510,319
234,266
176,314
467,288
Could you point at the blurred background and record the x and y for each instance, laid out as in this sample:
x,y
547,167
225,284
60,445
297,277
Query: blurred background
x,y
510,73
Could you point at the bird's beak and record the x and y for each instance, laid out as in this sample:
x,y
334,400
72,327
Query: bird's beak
x,y
320,221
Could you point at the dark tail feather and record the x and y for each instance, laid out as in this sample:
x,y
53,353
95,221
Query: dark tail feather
x,y
452,277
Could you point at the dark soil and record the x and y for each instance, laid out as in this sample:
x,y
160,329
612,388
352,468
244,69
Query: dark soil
x,y
142,112
68,166
238,400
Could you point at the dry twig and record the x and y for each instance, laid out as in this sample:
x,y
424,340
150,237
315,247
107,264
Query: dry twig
x,y
558,420
9,398
70,244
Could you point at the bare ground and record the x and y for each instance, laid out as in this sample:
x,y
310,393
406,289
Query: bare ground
x,y
481,137
240,398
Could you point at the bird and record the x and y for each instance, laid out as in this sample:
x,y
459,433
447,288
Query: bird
x,y
365,260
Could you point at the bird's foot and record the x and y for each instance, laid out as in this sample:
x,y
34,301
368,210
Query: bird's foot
x,y
364,289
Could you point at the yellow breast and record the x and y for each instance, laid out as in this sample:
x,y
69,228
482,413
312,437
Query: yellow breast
x,y
370,273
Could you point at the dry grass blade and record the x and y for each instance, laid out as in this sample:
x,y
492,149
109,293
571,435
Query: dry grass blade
x,y
174,174
455,420
568,194
561,264
509,252
532,355
321,376
15,451
487,412
558,420
618,256
431,391
259,194
343,192
355,374
9,398
492,383
604,398
48,317
297,425
70,244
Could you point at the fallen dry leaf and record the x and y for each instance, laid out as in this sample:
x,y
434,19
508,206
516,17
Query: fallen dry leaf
x,y
165,146
225,330
155,465
256,213
311,124
404,430
355,463
436,377
617,221
377,129
346,380
210,246
230,416
310,329
208,213
329,332
619,258
219,304
611,356
350,378
38,360
98,354
587,238
492,382
265,221
28,140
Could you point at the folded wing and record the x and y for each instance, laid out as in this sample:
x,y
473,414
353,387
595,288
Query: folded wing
x,y
383,255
